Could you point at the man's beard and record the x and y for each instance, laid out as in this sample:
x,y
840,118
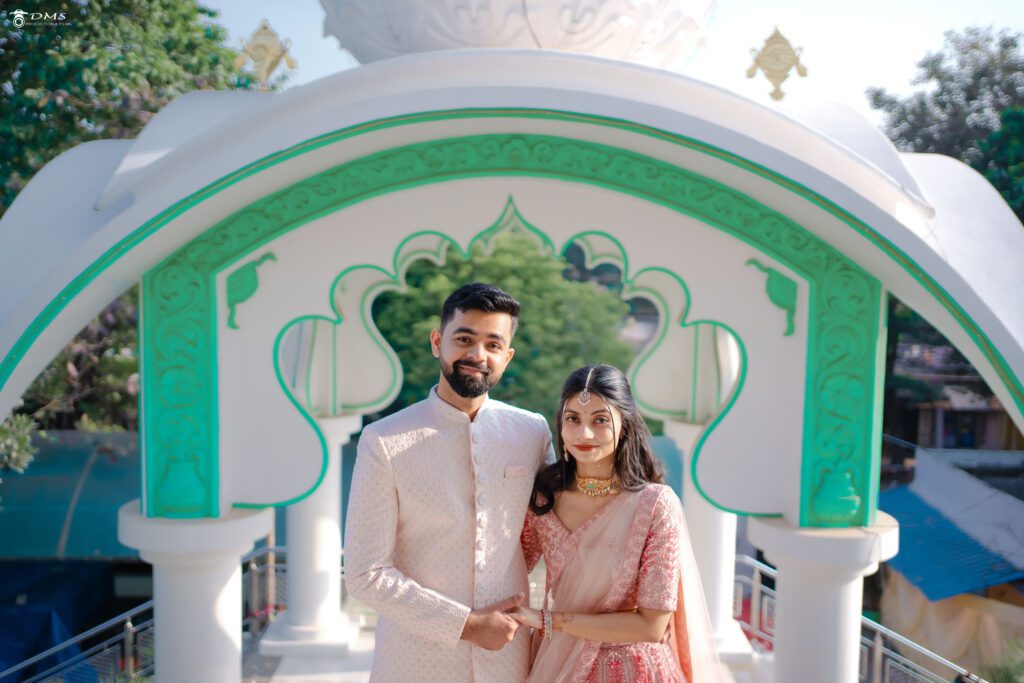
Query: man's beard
x,y
467,386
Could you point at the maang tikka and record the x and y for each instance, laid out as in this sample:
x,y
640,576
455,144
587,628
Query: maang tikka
x,y
585,394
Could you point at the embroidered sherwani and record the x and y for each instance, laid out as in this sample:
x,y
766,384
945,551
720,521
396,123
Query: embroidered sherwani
x,y
432,532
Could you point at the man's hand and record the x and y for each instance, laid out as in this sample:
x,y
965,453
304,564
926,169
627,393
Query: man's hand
x,y
526,616
491,627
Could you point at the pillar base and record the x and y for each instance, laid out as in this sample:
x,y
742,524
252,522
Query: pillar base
x,y
734,649
313,624
283,638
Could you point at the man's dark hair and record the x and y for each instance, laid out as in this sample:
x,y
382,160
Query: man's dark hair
x,y
480,296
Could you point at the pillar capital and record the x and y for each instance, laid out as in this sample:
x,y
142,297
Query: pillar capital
x,y
230,534
339,429
853,550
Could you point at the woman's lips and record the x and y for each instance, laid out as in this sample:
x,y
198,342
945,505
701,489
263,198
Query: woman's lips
x,y
585,448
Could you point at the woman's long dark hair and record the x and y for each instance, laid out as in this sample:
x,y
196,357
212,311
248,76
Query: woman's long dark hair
x,y
635,462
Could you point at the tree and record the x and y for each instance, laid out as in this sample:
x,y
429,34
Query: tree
x,y
93,383
1001,159
976,75
100,73
563,324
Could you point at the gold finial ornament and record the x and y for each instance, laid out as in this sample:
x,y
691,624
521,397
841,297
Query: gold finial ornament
x,y
776,59
266,51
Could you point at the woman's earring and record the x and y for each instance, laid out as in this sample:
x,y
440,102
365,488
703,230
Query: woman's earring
x,y
565,454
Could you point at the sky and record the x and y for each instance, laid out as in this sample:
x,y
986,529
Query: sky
x,y
846,47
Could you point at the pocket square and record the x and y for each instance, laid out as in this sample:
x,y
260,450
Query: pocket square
x,y
515,471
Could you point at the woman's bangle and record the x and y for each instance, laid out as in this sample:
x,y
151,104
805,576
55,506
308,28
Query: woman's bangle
x,y
545,631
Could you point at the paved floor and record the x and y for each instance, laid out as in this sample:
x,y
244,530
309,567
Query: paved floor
x,y
349,667
352,667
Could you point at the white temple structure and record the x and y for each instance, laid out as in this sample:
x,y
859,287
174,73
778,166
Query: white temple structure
x,y
262,226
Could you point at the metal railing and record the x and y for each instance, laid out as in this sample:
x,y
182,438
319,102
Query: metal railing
x,y
120,650
885,656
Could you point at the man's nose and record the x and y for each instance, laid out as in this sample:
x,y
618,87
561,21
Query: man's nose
x,y
475,351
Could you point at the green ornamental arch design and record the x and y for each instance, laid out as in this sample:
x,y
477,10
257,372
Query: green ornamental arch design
x,y
179,309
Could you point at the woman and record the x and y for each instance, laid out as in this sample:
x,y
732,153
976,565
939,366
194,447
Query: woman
x,y
617,552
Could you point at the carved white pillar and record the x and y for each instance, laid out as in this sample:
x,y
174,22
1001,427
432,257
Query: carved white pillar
x,y
819,593
197,588
713,535
313,623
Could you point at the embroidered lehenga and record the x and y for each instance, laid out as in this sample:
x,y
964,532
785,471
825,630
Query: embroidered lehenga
x,y
633,552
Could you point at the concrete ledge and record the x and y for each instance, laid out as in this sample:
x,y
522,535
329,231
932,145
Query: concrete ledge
x,y
284,639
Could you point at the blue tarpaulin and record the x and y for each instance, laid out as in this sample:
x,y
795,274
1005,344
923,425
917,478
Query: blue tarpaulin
x,y
936,555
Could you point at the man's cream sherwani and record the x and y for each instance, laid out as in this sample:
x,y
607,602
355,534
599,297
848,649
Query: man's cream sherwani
x,y
432,531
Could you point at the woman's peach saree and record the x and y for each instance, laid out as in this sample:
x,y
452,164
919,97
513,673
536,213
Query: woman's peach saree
x,y
634,552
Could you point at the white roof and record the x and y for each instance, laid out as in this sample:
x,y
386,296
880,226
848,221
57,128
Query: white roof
x,y
93,196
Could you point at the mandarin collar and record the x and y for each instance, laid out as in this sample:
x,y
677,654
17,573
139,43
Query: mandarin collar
x,y
449,412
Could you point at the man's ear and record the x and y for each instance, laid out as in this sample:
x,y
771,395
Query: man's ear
x,y
435,343
511,352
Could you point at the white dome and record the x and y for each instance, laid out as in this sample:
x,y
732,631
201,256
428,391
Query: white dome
x,y
662,33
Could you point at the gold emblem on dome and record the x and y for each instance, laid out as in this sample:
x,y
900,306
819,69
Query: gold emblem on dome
x,y
266,51
776,59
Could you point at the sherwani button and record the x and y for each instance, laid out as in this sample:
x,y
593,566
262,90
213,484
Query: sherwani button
x,y
480,544
482,499
482,478
479,588
480,565
481,522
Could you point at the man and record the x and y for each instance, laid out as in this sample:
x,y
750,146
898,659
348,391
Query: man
x,y
439,495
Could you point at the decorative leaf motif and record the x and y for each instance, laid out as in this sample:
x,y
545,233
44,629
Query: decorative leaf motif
x,y
242,284
781,292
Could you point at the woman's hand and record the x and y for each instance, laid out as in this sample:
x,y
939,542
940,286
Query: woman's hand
x,y
526,616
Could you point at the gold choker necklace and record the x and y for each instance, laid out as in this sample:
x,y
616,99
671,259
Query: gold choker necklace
x,y
594,487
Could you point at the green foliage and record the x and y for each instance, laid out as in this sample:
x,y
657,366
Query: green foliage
x,y
563,324
976,75
94,381
1010,669
101,75
16,448
1001,159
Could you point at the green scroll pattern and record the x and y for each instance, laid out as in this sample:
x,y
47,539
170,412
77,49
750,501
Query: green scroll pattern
x,y
179,324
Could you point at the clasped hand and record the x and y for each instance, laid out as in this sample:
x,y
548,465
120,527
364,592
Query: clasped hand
x,y
526,616
493,627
